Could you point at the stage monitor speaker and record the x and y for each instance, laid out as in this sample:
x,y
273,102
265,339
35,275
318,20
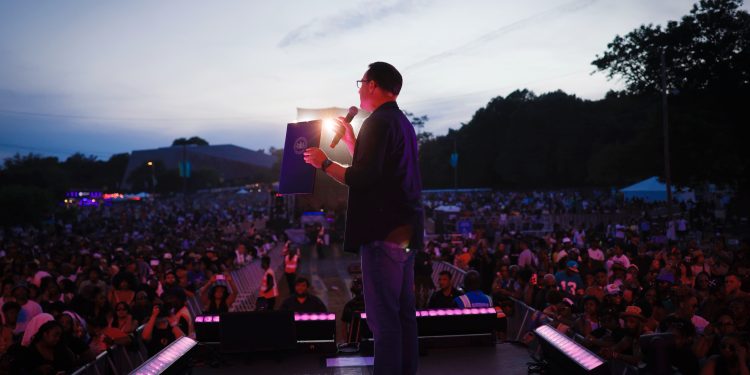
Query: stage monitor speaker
x,y
315,328
207,328
445,323
256,331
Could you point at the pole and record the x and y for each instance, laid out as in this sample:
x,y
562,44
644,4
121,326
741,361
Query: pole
x,y
153,179
184,172
455,168
665,125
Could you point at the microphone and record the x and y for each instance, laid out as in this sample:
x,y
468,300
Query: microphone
x,y
349,117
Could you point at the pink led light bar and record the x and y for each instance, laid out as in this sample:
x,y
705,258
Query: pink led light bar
x,y
570,348
314,316
449,312
165,358
207,319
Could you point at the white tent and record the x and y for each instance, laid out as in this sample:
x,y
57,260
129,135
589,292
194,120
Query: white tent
x,y
649,190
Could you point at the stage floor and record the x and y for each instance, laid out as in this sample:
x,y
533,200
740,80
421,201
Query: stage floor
x,y
502,358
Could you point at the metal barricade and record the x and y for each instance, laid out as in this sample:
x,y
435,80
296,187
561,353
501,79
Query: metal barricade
x,y
457,274
248,280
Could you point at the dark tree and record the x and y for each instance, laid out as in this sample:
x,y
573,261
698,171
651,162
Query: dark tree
x,y
198,141
709,49
418,122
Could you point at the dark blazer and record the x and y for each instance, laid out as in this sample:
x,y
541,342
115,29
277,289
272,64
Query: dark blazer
x,y
384,182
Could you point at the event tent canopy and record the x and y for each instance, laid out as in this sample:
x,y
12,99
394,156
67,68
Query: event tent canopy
x,y
649,190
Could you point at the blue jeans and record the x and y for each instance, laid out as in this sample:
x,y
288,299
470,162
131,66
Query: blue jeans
x,y
388,283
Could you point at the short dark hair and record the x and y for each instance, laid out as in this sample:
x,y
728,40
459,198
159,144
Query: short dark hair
x,y
446,273
301,280
472,281
386,76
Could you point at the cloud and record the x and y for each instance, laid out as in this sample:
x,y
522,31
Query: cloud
x,y
348,19
569,7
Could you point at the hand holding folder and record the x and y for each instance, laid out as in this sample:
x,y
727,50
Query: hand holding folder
x,y
298,177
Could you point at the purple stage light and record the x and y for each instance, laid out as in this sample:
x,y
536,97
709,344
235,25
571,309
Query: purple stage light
x,y
447,312
165,358
570,348
314,316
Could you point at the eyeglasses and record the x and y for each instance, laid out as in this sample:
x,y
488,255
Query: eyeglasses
x,y
361,81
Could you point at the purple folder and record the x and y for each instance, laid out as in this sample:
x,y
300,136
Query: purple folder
x,y
298,177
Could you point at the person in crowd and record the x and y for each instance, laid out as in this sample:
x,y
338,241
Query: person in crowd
x,y
548,285
29,308
423,283
733,287
350,316
44,354
527,258
123,289
160,330
301,300
473,296
445,296
687,310
627,349
100,308
732,360
218,298
291,264
176,301
8,337
141,306
569,281
242,257
268,288
122,319
589,320
618,257
596,255
504,284
75,337
94,283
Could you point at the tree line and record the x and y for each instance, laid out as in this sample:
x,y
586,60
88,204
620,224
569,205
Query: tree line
x,y
553,140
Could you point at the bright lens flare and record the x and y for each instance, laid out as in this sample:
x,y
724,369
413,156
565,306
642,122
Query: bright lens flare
x,y
330,125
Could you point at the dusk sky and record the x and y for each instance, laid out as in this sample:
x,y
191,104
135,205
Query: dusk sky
x,y
111,77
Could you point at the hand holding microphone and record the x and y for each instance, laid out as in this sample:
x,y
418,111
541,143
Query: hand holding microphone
x,y
345,125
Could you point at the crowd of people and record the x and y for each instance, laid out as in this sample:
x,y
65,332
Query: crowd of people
x,y
89,278
609,284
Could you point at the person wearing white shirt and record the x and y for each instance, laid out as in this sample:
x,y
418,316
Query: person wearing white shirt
x,y
29,308
618,257
687,309
596,254
579,237
527,258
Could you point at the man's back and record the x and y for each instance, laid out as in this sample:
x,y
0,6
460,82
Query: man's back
x,y
474,298
384,180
